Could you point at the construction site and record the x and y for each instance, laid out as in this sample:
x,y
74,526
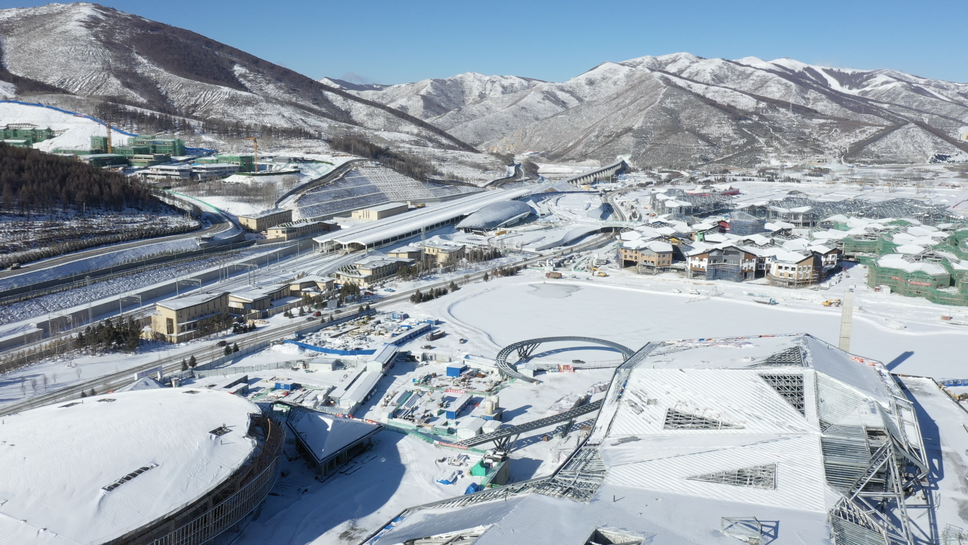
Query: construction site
x,y
674,457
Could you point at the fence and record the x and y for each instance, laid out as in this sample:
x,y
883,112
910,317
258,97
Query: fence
x,y
59,345
332,351
217,364
240,370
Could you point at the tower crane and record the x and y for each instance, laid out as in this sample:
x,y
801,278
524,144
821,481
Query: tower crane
x,y
255,145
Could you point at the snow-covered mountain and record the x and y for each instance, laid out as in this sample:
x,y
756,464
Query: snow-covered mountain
x,y
681,109
673,110
86,50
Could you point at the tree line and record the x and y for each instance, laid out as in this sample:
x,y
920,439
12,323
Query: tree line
x,y
31,180
148,122
117,335
406,164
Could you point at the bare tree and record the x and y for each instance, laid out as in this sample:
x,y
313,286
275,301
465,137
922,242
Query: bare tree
x,y
45,382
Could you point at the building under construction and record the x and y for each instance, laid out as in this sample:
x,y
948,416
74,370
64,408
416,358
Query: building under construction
x,y
804,212
743,224
25,134
935,268
246,162
681,204
795,439
174,147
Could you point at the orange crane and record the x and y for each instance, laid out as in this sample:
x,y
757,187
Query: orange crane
x,y
109,138
255,144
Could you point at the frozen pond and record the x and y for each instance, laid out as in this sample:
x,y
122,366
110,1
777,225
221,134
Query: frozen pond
x,y
506,311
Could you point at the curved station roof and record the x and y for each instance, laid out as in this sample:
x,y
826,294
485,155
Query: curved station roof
x,y
94,469
402,226
496,215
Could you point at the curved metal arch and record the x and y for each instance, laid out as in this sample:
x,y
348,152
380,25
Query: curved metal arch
x,y
526,348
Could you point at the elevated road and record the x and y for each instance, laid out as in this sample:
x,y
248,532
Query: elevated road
x,y
503,437
597,175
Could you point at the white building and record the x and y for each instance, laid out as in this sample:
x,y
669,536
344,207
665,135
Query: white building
x,y
167,173
213,171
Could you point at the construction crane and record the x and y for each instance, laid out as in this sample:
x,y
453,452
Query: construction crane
x,y
255,145
109,138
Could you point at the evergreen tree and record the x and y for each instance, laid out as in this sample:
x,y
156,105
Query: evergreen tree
x,y
192,361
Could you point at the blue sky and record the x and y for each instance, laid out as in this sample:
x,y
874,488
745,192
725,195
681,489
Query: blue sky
x,y
394,42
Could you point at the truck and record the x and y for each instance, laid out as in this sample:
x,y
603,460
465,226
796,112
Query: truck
x,y
831,303
434,335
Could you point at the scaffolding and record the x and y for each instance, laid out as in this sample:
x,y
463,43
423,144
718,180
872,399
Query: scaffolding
x,y
743,224
792,209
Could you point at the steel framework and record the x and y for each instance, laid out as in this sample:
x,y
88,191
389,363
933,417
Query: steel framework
x,y
525,349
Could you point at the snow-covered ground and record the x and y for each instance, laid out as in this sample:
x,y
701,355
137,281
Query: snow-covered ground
x,y
75,131
906,334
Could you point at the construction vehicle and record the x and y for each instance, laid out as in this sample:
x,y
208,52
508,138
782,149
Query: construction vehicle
x,y
499,233
831,303
769,301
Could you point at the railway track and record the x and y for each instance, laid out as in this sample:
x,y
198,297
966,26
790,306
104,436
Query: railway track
x,y
171,364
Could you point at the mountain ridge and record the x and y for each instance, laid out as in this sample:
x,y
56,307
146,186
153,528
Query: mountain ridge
x,y
92,51
711,110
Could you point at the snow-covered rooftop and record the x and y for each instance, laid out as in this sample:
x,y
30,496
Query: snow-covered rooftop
x,y
186,301
326,435
496,215
62,462
694,432
411,223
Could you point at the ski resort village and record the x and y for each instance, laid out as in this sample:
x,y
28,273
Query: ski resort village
x,y
252,308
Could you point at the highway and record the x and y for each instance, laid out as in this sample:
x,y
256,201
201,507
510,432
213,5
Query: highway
x,y
218,223
205,349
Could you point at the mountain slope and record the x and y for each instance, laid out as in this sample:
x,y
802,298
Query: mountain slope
x,y
92,51
685,110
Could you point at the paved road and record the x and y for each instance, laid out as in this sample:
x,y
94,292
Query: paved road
x,y
205,350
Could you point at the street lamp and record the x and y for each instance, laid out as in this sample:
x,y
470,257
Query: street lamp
x,y
122,298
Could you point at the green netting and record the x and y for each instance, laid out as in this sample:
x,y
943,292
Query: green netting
x,y
939,289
